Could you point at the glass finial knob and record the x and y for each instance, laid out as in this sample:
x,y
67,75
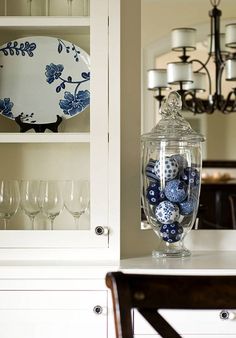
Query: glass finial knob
x,y
171,105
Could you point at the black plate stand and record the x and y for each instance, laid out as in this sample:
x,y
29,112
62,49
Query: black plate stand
x,y
38,128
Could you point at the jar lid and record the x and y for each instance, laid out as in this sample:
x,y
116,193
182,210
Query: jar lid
x,y
172,126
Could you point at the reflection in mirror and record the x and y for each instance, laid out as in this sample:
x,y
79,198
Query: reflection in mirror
x,y
221,148
219,152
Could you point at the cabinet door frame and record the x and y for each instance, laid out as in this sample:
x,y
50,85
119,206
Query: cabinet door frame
x,y
84,244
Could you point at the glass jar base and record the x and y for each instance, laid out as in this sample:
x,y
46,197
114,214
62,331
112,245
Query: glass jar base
x,y
171,253
166,249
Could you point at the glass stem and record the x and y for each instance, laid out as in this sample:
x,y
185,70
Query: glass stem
x,y
47,7
69,7
86,11
5,223
77,222
51,223
5,7
29,7
32,222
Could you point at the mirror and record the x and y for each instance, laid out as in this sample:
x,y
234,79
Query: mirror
x,y
159,17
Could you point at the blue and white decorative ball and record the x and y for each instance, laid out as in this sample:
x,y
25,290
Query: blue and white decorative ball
x,y
154,193
149,170
167,212
191,176
187,207
169,169
181,160
171,232
176,191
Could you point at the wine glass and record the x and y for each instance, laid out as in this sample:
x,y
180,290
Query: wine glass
x,y
69,5
76,198
51,199
29,192
9,199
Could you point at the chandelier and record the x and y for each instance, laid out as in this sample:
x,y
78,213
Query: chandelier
x,y
222,49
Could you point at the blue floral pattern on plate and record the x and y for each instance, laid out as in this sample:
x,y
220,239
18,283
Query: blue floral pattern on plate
x,y
53,72
73,104
6,107
16,48
64,91
68,48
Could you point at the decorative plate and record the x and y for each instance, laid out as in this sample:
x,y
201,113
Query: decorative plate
x,y
43,77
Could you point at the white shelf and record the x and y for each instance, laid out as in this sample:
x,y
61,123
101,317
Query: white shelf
x,y
47,22
44,137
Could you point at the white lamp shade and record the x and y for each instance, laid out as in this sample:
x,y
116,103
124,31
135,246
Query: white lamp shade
x,y
230,35
183,38
198,84
157,78
179,72
223,47
230,70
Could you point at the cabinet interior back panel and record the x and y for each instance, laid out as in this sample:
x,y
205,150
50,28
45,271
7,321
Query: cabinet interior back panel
x,y
42,162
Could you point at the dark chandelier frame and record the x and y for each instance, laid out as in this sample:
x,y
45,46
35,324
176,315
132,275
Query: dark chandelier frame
x,y
215,101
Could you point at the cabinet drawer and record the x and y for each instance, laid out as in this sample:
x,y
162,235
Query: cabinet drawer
x,y
53,314
189,323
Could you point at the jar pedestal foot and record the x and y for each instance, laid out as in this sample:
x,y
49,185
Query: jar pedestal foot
x,y
171,250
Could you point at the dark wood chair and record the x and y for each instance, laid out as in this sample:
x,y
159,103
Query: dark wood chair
x,y
149,293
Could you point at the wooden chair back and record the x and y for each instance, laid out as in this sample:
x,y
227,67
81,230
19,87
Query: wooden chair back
x,y
149,293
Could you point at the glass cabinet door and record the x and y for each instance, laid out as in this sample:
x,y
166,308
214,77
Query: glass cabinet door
x,y
78,150
45,7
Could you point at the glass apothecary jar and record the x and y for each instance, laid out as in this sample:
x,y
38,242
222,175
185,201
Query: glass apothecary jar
x,y
171,175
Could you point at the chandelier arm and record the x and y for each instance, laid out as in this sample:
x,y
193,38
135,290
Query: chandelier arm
x,y
203,65
207,72
215,2
194,104
229,105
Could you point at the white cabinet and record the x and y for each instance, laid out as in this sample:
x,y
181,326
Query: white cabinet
x,y
189,323
90,145
53,314
100,144
51,301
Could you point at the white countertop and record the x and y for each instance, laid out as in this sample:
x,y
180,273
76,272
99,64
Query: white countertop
x,y
200,263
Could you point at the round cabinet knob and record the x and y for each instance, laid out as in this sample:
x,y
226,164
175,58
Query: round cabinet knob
x,y
97,309
100,230
226,315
